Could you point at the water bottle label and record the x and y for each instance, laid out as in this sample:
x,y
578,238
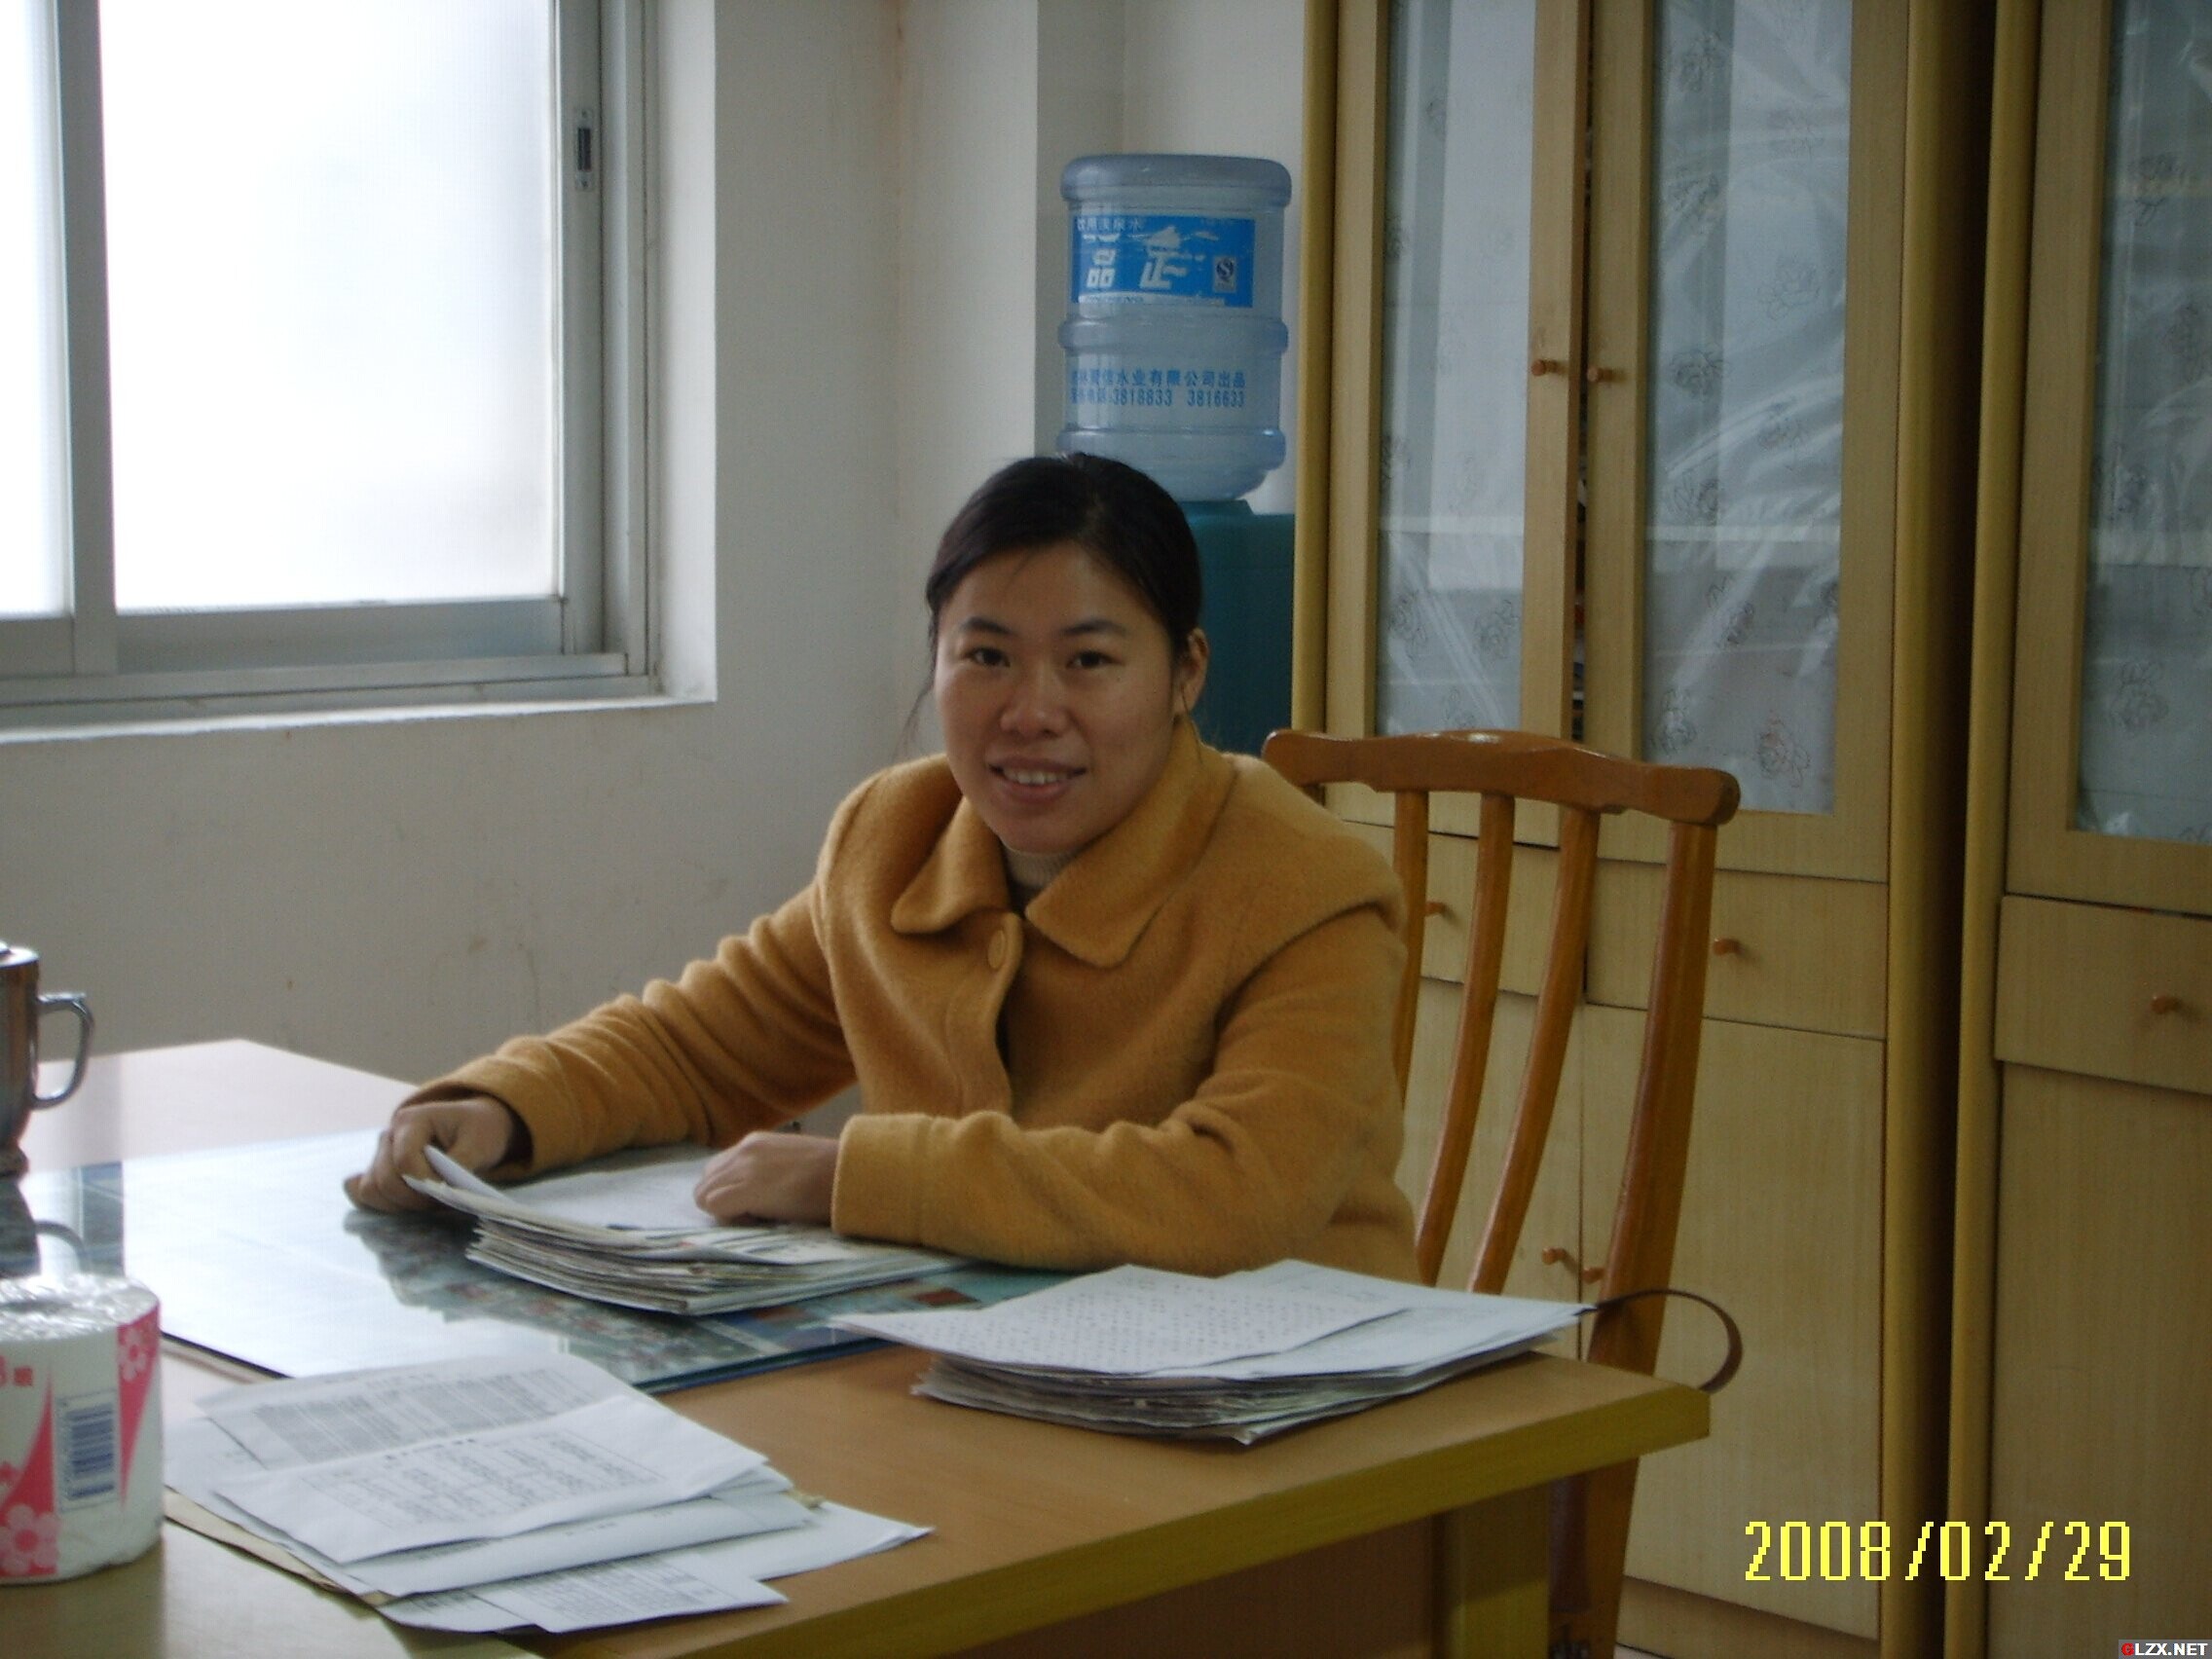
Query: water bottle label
x,y
1192,258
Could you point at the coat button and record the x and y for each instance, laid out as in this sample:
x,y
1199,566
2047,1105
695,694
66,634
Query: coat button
x,y
996,952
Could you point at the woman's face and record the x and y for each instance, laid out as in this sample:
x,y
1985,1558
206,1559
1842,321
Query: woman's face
x,y
1057,693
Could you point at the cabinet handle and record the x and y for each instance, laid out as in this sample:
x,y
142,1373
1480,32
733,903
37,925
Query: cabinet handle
x,y
1435,908
2166,1001
1591,1276
1546,366
1554,1254
1596,376
1725,946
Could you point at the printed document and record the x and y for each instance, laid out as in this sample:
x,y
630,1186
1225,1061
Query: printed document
x,y
489,1491
701,1580
566,1458
201,1458
625,1232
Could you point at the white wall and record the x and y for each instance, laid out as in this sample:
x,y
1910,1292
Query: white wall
x,y
966,282
1228,77
861,319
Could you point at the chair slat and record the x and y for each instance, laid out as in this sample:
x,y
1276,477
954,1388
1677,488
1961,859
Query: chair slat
x,y
1470,1052
1555,1002
1410,855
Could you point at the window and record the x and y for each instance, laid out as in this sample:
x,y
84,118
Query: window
x,y
307,319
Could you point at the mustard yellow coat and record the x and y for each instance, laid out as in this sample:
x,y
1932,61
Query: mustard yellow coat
x,y
1178,1056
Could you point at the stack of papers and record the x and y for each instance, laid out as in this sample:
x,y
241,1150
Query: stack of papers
x,y
490,1492
1141,1352
625,1231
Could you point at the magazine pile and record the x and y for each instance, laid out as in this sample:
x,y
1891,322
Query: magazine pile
x,y
1141,1352
497,1491
624,1229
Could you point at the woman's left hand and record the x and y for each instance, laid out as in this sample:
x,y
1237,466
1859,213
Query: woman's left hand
x,y
770,1176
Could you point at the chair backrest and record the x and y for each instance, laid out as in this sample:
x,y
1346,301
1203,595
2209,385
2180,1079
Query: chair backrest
x,y
1591,1512
1503,768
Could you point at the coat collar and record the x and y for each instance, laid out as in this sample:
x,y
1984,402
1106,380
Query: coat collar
x,y
1096,907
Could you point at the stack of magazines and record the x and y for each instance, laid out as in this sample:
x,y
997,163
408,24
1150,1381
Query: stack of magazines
x,y
1140,1351
625,1231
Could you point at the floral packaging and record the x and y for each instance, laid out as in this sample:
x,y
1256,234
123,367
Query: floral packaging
x,y
80,1424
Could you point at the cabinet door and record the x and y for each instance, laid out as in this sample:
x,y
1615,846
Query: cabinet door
x,y
1782,1217
1746,234
2112,762
2098,1421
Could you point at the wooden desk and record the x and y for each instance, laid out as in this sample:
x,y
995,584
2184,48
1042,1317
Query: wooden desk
x,y
1342,1537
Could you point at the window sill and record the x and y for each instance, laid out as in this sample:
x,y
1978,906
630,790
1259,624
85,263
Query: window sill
x,y
144,705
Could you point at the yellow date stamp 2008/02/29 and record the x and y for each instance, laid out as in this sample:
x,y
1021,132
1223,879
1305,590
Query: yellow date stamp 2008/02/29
x,y
2078,1552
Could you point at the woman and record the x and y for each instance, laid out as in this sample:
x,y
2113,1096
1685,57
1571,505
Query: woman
x,y
1109,994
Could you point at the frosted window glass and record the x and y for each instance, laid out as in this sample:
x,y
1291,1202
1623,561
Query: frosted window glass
x,y
1456,364
2147,650
1753,127
331,248
33,550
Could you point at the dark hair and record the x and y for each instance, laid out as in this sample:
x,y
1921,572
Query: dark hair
x,y
1105,507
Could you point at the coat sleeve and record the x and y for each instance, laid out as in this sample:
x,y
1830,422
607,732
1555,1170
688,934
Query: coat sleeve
x,y
1299,1119
744,1040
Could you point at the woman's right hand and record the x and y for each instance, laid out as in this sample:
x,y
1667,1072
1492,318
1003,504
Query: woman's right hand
x,y
477,1132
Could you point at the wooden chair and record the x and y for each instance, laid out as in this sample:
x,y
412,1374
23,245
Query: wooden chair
x,y
1590,1515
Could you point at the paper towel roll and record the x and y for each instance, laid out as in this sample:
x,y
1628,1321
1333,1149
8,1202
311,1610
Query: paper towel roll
x,y
80,1424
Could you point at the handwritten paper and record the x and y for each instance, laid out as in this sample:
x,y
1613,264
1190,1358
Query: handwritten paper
x,y
1242,1356
1130,1321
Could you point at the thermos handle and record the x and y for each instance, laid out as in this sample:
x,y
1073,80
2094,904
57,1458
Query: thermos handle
x,y
76,1005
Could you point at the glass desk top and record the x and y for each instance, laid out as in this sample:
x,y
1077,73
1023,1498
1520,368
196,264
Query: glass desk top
x,y
257,1256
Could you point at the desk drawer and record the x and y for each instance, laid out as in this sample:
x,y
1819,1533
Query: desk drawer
x,y
2104,992
1802,952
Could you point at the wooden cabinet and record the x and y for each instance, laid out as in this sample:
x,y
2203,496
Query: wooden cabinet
x,y
1637,342
1785,1189
2080,1316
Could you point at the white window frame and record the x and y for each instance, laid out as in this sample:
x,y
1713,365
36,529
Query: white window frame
x,y
593,642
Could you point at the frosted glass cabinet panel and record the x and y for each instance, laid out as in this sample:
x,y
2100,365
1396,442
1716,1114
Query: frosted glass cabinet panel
x,y
1455,314
1750,211
2146,743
